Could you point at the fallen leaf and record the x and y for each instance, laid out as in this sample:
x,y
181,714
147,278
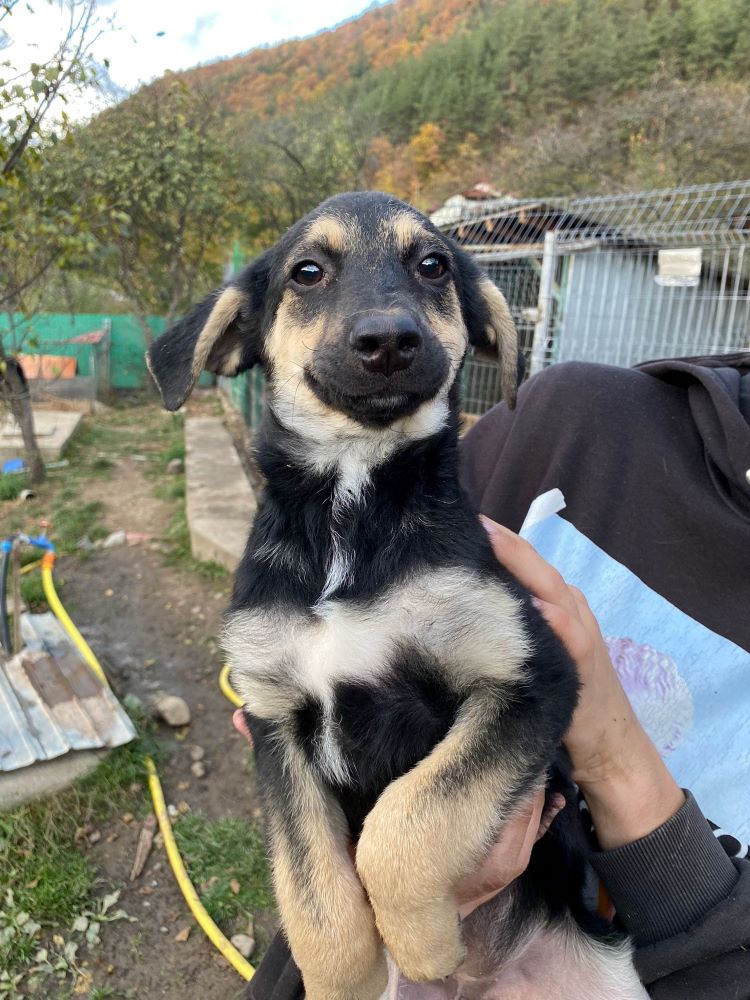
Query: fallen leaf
x,y
142,851
183,785
182,935
127,817
58,940
33,884
109,901
234,885
84,982
112,837
182,808
145,890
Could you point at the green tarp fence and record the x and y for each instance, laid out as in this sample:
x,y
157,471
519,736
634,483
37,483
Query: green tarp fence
x,y
46,333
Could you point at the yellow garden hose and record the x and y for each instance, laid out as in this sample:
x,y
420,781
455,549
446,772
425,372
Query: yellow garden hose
x,y
226,688
227,949
197,908
48,561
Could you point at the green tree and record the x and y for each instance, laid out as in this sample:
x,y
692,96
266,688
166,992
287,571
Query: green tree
x,y
161,162
43,220
286,166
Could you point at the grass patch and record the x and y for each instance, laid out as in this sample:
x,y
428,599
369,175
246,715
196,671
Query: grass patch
x,y
11,485
32,591
221,855
175,450
180,554
50,878
171,489
72,523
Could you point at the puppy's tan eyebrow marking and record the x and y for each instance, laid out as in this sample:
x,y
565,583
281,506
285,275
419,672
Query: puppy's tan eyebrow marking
x,y
405,230
329,232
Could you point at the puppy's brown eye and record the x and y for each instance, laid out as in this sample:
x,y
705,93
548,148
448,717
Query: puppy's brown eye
x,y
433,267
307,273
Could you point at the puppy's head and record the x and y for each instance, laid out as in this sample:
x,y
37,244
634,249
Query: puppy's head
x,y
361,315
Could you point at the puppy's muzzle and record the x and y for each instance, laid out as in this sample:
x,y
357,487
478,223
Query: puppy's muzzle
x,y
386,344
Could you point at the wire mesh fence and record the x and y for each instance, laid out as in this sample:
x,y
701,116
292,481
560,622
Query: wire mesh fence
x,y
616,280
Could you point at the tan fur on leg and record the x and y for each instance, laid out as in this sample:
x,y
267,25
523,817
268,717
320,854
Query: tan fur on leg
x,y
429,829
326,916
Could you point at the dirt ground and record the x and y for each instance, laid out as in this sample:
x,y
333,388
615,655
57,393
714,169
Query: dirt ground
x,y
153,627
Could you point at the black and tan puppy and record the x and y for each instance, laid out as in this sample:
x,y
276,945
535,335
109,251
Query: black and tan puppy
x,y
402,688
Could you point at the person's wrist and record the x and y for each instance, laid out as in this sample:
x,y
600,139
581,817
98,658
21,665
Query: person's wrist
x,y
631,795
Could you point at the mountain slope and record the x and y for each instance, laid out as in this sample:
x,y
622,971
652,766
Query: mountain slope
x,y
269,81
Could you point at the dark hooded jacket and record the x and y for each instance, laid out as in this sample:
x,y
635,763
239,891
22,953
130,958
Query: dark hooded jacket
x,y
654,464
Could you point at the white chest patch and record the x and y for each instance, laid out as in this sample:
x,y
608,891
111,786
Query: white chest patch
x,y
468,623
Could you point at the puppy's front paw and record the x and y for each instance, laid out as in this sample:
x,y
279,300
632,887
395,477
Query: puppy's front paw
x,y
369,985
414,908
425,943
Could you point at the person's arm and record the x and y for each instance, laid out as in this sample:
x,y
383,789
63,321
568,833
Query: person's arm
x,y
683,900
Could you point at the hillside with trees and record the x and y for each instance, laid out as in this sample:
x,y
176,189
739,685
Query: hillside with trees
x,y
529,97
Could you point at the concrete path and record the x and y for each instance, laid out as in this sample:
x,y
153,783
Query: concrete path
x,y
220,502
54,428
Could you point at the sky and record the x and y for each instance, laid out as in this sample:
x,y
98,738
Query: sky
x,y
151,36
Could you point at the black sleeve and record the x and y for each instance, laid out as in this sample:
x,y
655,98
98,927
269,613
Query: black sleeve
x,y
686,904
277,977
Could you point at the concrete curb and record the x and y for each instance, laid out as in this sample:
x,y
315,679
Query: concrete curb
x,y
46,777
220,502
54,428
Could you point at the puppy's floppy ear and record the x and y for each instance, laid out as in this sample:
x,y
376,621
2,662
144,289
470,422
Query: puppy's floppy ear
x,y
490,325
222,334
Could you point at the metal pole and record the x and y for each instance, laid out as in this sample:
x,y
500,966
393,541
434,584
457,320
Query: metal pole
x,y
544,307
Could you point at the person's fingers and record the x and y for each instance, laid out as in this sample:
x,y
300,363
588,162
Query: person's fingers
x,y
508,857
240,724
573,634
528,567
530,834
555,806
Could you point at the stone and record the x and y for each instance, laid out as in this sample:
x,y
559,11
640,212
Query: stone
x,y
197,753
133,703
198,768
116,538
175,466
173,709
244,944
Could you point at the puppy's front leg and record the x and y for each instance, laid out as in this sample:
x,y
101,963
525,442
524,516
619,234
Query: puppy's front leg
x,y
433,825
327,919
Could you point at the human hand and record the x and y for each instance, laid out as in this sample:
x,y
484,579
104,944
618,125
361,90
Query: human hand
x,y
509,855
624,780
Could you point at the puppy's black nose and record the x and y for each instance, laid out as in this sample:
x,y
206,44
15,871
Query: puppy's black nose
x,y
386,343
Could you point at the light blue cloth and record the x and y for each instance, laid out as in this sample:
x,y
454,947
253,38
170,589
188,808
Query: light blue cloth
x,y
689,686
